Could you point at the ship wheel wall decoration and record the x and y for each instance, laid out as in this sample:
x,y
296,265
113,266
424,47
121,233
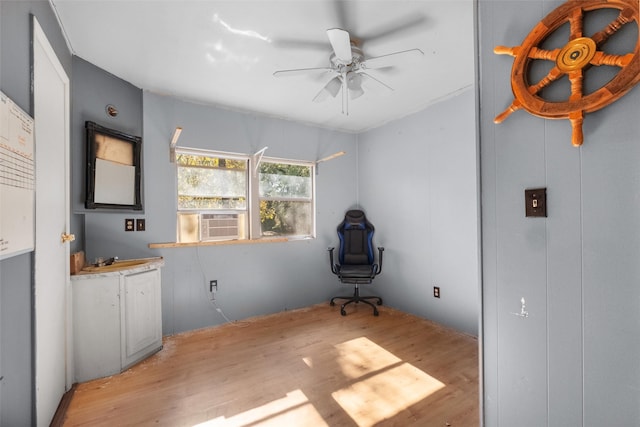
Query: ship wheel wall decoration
x,y
572,60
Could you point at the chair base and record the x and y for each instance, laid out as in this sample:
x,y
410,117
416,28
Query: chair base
x,y
356,298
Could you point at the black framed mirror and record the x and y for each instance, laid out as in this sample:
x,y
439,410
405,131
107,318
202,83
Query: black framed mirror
x,y
113,169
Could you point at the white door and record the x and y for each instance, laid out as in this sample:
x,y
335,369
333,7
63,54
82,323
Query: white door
x,y
52,289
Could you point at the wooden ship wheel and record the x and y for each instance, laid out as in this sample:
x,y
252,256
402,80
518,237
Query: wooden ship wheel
x,y
572,60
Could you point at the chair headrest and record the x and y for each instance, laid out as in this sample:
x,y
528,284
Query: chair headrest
x,y
355,217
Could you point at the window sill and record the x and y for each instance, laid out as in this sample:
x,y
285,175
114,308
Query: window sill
x,y
219,243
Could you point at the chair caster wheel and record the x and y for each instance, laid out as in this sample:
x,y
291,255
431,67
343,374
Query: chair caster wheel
x,y
331,303
344,313
375,313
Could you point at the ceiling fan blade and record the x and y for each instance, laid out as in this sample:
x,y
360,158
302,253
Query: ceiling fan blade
x,y
290,43
341,43
331,88
342,14
371,82
300,71
409,25
391,59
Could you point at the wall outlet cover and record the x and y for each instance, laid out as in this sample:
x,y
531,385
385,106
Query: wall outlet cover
x,y
129,224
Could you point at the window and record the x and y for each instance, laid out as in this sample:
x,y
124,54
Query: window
x,y
286,202
223,196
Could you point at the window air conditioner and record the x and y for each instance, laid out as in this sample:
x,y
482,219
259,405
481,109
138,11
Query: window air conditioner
x,y
219,227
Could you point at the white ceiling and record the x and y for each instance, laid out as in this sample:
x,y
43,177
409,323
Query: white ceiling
x,y
224,53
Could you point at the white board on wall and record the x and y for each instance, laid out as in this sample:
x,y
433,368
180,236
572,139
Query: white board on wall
x,y
17,179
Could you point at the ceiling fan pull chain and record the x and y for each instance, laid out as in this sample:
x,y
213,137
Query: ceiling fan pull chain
x,y
345,94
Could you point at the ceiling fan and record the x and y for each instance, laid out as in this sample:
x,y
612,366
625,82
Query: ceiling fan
x,y
349,66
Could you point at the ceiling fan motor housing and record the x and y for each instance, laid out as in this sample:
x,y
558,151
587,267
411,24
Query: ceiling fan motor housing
x,y
357,58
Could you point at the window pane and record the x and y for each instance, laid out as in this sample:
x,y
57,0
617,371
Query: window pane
x,y
285,181
211,183
210,162
285,218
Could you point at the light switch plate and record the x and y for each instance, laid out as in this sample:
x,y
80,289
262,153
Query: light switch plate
x,y
535,200
140,224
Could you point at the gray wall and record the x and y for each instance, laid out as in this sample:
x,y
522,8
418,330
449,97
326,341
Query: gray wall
x,y
16,399
253,279
418,183
574,360
92,90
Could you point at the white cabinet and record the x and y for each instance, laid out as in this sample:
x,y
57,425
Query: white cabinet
x,y
117,320
142,316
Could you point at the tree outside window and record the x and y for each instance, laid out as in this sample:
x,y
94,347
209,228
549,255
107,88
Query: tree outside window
x,y
286,194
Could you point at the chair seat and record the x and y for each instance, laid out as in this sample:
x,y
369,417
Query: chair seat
x,y
356,271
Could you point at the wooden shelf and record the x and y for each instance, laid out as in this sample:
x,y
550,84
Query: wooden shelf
x,y
217,243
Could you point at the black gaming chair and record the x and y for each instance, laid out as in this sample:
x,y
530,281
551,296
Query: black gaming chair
x,y
356,262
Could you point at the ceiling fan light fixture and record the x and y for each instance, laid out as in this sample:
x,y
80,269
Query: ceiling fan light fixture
x,y
331,88
354,83
356,93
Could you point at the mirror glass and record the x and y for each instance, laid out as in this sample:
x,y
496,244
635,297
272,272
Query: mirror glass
x,y
113,169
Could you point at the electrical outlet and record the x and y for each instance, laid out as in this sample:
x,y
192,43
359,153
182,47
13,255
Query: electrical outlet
x,y
213,286
129,224
140,224
436,292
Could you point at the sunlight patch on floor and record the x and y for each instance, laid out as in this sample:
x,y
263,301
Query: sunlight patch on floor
x,y
389,387
386,394
361,356
381,386
308,361
288,411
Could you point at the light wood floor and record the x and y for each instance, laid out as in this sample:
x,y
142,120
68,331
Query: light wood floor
x,y
307,367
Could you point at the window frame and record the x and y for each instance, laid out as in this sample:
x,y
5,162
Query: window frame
x,y
255,182
253,222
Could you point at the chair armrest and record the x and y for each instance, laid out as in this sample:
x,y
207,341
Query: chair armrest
x,y
380,251
334,268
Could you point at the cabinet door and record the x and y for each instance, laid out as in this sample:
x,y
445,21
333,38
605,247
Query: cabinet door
x,y
142,320
96,327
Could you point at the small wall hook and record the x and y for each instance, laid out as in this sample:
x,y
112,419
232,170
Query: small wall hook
x,y
523,309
